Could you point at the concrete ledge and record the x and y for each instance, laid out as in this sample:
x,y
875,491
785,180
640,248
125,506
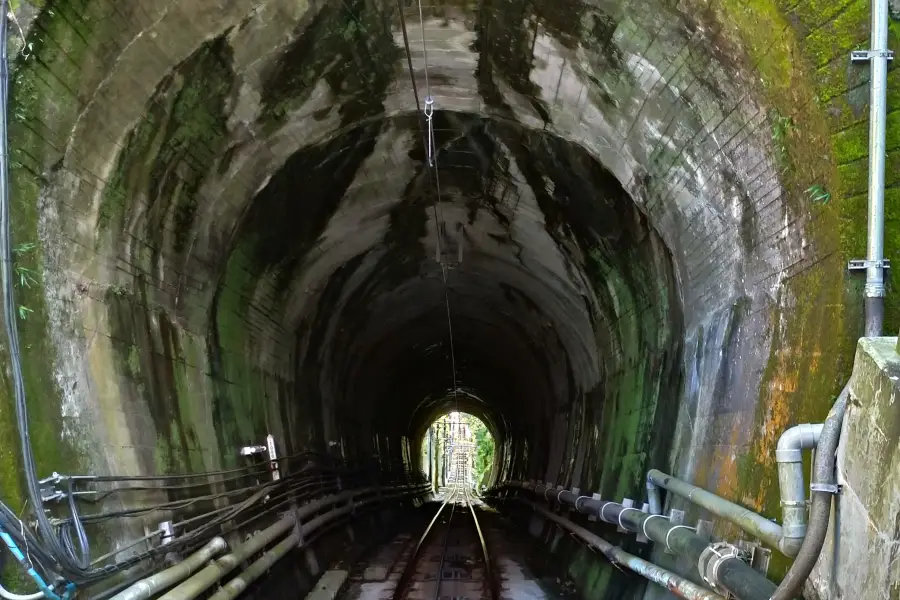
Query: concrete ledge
x,y
328,586
862,552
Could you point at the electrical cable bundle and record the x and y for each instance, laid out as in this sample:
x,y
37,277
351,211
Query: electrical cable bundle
x,y
58,550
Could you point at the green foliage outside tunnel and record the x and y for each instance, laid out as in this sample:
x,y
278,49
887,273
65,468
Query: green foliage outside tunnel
x,y
463,437
484,453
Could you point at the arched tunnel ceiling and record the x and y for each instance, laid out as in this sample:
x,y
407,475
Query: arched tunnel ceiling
x,y
253,177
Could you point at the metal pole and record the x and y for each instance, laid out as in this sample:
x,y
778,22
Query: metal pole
x,y
878,59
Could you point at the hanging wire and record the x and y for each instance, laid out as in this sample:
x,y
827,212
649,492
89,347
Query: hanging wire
x,y
431,153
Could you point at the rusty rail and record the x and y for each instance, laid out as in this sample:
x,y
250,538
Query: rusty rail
x,y
406,576
493,588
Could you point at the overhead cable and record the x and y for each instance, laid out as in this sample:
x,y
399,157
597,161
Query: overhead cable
x,y
432,160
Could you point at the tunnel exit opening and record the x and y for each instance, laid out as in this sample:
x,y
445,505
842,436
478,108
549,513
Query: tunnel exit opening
x,y
458,449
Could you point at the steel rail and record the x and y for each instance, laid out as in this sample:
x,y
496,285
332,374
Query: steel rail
x,y
488,573
440,574
406,576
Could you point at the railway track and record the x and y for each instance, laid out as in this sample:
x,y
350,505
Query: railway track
x,y
450,560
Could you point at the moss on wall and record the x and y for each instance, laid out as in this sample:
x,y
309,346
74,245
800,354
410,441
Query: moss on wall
x,y
800,52
348,45
167,155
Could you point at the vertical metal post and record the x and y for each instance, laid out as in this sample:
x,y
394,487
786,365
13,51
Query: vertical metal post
x,y
878,59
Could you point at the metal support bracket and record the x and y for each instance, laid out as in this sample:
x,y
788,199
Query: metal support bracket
x,y
168,532
626,503
676,517
641,538
858,56
831,488
594,496
251,450
755,555
861,264
705,529
273,457
576,491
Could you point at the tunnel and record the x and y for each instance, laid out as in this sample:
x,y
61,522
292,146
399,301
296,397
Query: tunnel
x,y
617,232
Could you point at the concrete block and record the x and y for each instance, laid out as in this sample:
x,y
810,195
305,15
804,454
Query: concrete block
x,y
859,556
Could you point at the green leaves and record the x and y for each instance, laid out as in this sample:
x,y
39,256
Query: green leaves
x,y
818,193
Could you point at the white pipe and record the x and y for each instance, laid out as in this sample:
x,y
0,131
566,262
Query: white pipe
x,y
158,582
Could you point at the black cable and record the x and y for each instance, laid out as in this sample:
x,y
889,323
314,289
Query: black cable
x,y
67,563
263,466
83,544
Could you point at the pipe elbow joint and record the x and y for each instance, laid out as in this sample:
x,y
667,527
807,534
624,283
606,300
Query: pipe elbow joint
x,y
790,546
796,439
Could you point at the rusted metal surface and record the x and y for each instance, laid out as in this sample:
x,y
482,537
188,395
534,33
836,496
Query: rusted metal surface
x,y
493,588
407,574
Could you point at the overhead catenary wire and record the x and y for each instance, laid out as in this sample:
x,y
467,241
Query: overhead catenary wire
x,y
434,173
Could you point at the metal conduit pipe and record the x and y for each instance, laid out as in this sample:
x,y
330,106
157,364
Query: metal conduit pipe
x,y
729,573
260,566
786,538
165,579
789,456
878,63
824,488
653,499
256,570
218,568
751,522
677,585
221,566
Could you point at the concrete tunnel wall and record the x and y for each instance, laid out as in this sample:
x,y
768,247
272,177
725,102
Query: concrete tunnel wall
x,y
647,212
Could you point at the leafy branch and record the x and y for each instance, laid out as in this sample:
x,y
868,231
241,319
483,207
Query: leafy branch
x,y
24,277
818,193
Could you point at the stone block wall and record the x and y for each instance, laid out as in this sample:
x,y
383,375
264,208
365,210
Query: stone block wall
x,y
862,550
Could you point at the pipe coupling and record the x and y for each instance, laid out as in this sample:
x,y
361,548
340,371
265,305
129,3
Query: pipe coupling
x,y
875,290
712,558
795,531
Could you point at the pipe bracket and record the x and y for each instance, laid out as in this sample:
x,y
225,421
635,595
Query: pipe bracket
x,y
668,533
867,55
831,488
794,503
